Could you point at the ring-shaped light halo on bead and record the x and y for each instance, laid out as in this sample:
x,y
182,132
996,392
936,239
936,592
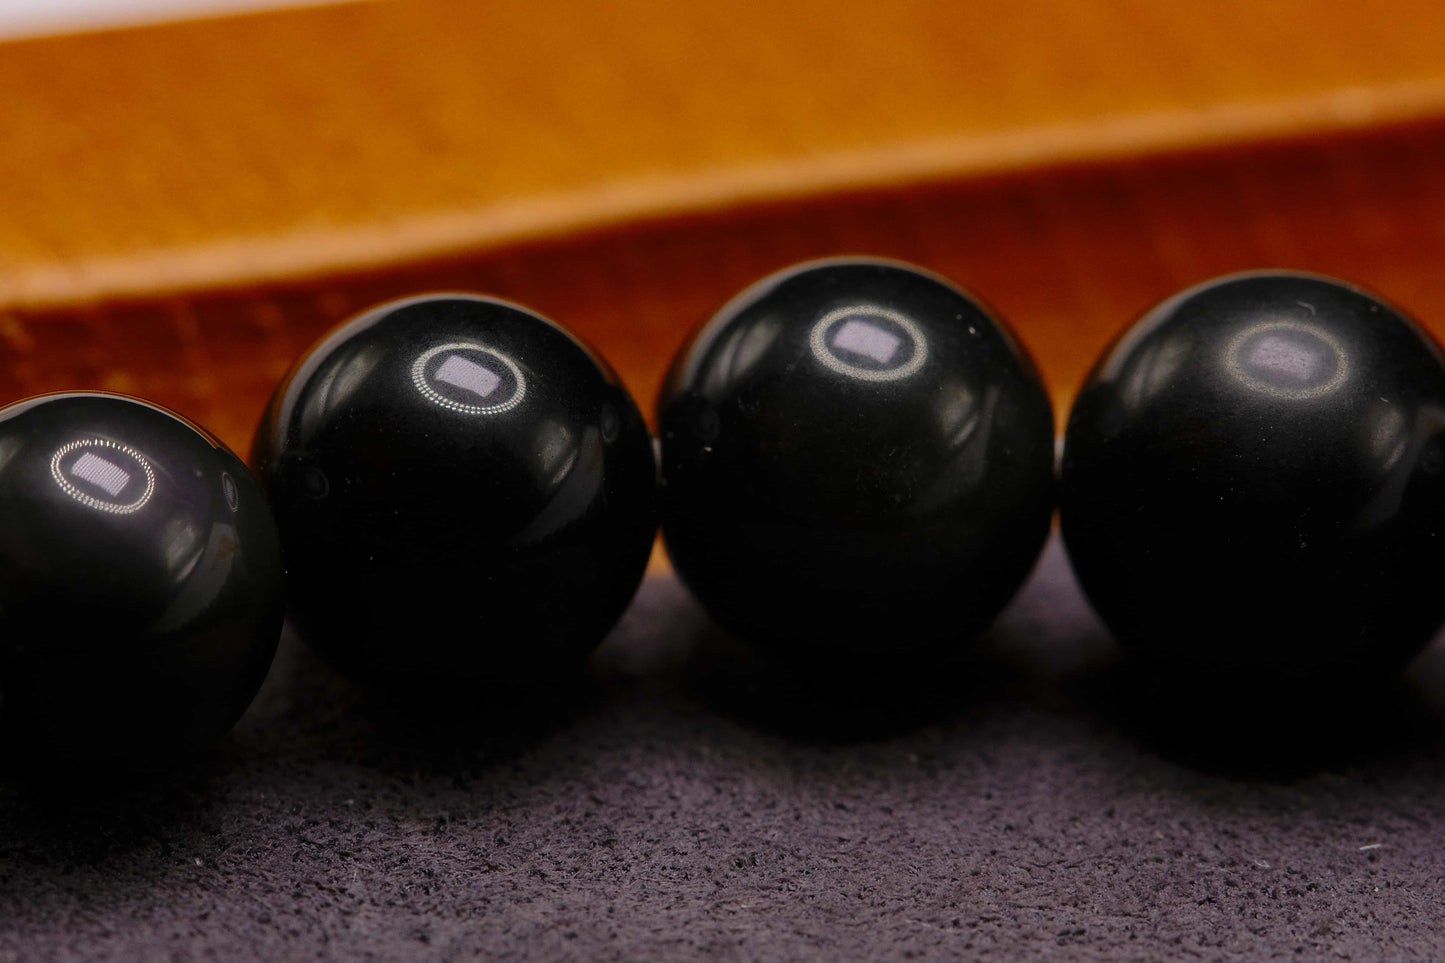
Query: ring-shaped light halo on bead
x,y
228,489
1246,334
419,379
90,501
817,340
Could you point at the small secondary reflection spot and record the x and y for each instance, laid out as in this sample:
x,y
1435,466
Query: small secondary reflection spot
x,y
611,424
314,483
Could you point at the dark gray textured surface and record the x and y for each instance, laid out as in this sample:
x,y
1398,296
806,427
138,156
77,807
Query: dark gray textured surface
x,y
690,802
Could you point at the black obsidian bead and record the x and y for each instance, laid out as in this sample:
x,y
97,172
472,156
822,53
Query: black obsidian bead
x,y
1253,481
140,583
857,464
466,494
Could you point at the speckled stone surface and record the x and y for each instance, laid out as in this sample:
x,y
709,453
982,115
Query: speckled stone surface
x,y
1035,800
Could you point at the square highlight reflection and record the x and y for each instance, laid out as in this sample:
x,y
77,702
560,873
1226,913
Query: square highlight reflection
x,y
866,339
467,375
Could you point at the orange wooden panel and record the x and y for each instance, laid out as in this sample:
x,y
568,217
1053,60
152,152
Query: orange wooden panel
x,y
289,145
1069,255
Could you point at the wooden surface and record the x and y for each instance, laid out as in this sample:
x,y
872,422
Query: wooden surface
x,y
186,207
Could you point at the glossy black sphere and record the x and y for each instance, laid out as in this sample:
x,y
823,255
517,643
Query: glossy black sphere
x,y
466,494
140,583
857,464
1253,481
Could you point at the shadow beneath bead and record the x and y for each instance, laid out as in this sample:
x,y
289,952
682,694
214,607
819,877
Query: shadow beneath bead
x,y
309,711
839,705
1044,636
465,733
72,817
1273,731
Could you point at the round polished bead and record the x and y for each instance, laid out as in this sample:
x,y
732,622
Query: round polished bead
x,y
140,583
466,494
1253,481
857,464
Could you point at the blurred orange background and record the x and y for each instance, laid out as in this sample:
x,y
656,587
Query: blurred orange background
x,y
187,206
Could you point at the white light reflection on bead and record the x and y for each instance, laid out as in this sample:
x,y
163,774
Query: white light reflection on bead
x,y
459,371
228,489
462,373
1290,351
857,337
99,471
867,339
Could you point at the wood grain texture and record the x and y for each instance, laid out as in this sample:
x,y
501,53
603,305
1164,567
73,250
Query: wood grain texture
x,y
1068,256
291,144
187,207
